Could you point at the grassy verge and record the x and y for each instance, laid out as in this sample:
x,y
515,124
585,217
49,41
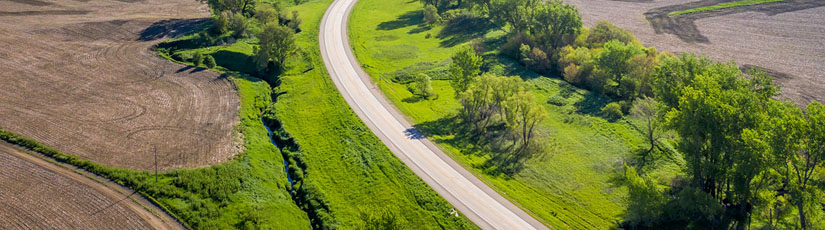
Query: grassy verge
x,y
573,186
344,176
723,6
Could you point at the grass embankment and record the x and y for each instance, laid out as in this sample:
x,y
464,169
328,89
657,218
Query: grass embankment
x,y
723,6
573,186
343,173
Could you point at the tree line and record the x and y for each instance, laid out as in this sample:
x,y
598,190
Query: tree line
x,y
749,159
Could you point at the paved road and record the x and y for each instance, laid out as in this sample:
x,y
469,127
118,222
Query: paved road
x,y
477,201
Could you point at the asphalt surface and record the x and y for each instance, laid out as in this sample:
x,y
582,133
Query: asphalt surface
x,y
470,196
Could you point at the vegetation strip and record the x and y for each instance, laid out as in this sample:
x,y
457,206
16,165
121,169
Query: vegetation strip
x,y
723,6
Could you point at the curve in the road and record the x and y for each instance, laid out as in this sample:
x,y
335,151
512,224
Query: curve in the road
x,y
476,200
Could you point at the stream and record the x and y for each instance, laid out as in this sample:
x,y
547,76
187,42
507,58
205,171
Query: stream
x,y
286,163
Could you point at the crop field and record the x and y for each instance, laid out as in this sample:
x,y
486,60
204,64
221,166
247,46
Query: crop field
x,y
34,196
80,76
784,38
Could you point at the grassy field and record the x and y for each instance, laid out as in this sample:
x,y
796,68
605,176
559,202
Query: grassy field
x,y
344,174
573,186
723,6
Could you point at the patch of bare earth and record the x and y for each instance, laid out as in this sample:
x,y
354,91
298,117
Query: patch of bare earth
x,y
787,39
80,76
35,194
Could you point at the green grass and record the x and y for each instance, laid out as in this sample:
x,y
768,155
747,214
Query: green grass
x,y
573,186
723,6
347,163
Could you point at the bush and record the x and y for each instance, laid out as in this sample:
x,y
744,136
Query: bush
x,y
197,58
422,86
238,25
604,31
220,23
431,15
612,111
209,61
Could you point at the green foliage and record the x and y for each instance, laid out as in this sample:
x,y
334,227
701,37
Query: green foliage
x,y
436,70
209,61
276,43
220,22
422,86
197,58
386,221
238,25
431,15
612,111
235,6
647,199
465,67
605,31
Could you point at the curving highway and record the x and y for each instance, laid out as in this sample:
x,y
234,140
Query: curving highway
x,y
473,198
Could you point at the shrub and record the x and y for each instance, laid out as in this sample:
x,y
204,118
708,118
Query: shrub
x,y
220,23
604,31
238,25
431,15
422,86
612,111
209,61
197,58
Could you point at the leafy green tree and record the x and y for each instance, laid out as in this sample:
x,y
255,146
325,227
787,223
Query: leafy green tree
x,y
220,23
267,13
236,6
209,61
197,58
647,200
605,31
522,116
555,23
238,25
466,65
431,15
614,61
422,86
276,43
612,111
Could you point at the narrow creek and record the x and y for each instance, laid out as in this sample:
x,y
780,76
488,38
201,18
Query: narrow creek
x,y
280,150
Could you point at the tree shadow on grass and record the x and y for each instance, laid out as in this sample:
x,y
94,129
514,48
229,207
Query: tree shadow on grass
x,y
464,28
410,18
684,26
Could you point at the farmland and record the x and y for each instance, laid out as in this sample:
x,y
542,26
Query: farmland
x,y
38,195
79,76
783,38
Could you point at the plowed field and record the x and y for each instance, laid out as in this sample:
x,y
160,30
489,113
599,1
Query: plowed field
x,y
35,194
787,39
80,76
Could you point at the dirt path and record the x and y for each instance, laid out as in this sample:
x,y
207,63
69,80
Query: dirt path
x,y
37,194
80,76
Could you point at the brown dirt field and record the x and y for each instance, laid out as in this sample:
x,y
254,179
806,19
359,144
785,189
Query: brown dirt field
x,y
80,76
787,39
35,194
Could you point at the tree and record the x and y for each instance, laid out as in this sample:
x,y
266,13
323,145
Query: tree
x,y
209,61
266,14
555,24
605,31
238,25
646,109
276,43
220,23
465,66
478,102
236,6
197,58
431,15
422,86
614,61
798,144
522,116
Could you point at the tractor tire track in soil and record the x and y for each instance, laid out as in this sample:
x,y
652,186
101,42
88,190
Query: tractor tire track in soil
x,y
36,194
785,39
81,76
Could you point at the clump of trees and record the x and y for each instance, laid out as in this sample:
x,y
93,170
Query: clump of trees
x,y
747,155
